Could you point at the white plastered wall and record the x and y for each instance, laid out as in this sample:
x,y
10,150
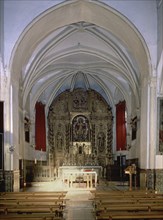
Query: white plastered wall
x,y
16,70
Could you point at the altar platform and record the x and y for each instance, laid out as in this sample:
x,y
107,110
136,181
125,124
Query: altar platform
x,y
80,176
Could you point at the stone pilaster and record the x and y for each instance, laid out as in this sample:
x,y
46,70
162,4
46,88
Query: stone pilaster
x,y
143,179
8,176
16,184
150,179
11,178
147,179
159,180
2,182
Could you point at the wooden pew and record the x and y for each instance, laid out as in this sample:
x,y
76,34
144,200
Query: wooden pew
x,y
124,205
133,215
128,194
11,195
31,211
29,217
129,201
23,208
23,205
30,199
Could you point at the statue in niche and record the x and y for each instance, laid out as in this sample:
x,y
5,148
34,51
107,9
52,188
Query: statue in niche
x,y
95,151
59,141
80,149
80,129
101,141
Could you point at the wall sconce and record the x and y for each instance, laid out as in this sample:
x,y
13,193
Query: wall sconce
x,y
134,121
11,149
128,147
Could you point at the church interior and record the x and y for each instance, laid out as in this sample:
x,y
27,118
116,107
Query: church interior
x,y
81,109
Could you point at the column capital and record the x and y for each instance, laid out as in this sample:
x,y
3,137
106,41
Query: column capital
x,y
149,81
153,82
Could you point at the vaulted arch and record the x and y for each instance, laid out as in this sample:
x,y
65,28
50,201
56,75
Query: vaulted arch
x,y
78,11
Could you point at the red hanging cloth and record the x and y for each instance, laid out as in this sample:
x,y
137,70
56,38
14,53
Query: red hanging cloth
x,y
120,126
40,127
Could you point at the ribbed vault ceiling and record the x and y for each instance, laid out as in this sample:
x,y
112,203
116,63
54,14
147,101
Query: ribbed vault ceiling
x,y
80,55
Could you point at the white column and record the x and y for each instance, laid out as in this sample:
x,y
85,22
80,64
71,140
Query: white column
x,y
8,158
144,125
11,127
91,186
87,180
71,180
95,179
4,93
152,123
15,124
148,123
7,132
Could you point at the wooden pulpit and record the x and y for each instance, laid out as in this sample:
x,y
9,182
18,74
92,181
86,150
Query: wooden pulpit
x,y
130,170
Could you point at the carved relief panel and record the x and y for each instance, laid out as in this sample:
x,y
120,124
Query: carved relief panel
x,y
79,100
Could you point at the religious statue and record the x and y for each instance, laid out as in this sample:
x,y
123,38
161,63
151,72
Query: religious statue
x,y
80,129
101,141
59,141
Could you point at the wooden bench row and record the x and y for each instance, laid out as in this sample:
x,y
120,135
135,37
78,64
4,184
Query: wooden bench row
x,y
29,200
127,194
30,209
120,205
120,201
34,216
18,212
32,195
127,215
134,208
128,197
32,203
38,206
138,191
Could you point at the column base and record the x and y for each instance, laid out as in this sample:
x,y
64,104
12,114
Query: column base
x,y
159,181
143,179
151,179
11,179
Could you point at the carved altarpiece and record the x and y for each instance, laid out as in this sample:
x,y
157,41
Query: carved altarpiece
x,y
80,130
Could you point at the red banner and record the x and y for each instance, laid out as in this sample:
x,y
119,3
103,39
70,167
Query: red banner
x,y
121,126
40,127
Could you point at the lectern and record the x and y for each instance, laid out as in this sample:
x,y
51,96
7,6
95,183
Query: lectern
x,y
130,170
